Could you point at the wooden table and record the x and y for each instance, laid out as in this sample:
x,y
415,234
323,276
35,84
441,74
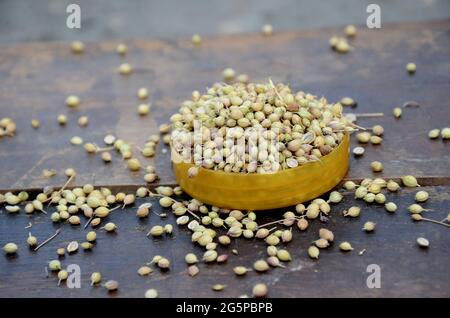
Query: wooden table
x,y
35,79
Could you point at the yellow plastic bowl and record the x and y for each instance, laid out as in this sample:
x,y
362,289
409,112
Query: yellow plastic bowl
x,y
266,191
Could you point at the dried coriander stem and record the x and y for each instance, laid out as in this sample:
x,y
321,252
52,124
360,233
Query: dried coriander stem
x,y
279,221
47,240
368,115
434,221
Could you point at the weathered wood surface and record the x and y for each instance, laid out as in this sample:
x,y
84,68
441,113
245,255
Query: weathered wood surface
x,y
36,78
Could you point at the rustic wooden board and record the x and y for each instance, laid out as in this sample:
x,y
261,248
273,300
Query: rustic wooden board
x,y
406,269
36,78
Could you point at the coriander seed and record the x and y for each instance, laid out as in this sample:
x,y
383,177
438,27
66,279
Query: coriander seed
x,y
369,226
31,240
350,31
196,39
96,277
284,256
10,248
72,101
125,69
54,265
416,209
267,29
354,211
210,256
445,133
313,252
326,234
376,166
261,266
411,68
321,243
421,196
423,242
390,207
122,49
151,293
260,290
434,133
144,271
77,47
193,270
111,285
240,270
345,246
397,112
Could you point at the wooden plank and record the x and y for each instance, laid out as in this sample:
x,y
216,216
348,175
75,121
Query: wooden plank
x,y
406,269
36,78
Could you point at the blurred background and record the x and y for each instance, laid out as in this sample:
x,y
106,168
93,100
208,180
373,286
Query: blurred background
x,y
45,20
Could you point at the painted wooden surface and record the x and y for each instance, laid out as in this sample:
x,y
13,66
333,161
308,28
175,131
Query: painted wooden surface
x,y
36,78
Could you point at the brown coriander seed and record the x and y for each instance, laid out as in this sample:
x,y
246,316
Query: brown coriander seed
x,y
111,285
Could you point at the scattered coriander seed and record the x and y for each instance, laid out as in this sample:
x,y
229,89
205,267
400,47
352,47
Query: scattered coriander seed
x,y
378,130
61,251
163,263
434,133
222,258
70,172
354,211
411,68
134,164
196,39
445,133
62,119
376,166
375,140
111,285
72,101
210,256
72,247
267,29
91,236
345,246
224,240
77,47
168,228
240,270
421,196
110,227
261,266
272,240
144,271
423,242
313,252
12,208
260,290
191,258
243,78
390,207
83,121
10,248
151,293
363,137
193,270
392,186
228,74
300,208
286,236
322,243
335,197
74,220
122,49
36,123
397,112
143,109
54,265
302,224
96,277
218,287
95,222
165,202
284,256
380,198
32,240
342,46
142,93
86,246
369,226
416,209
326,234
350,31
125,69
347,101
62,275
76,140
349,185
410,181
